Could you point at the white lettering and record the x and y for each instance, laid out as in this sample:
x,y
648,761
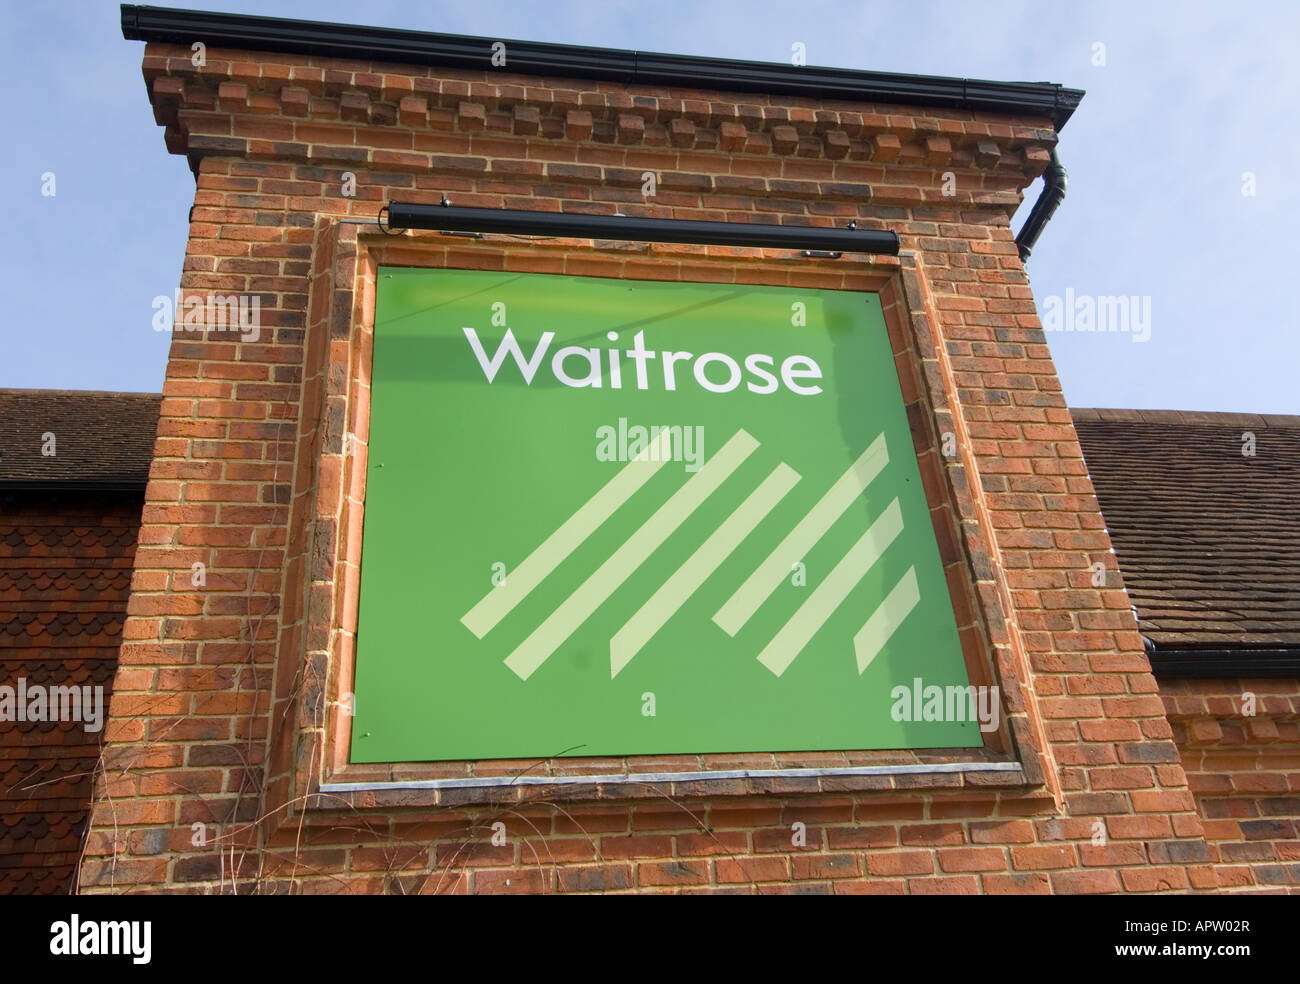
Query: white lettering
x,y
509,346
789,373
592,378
733,371
759,374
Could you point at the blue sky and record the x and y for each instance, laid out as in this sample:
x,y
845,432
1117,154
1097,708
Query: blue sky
x,y
1189,99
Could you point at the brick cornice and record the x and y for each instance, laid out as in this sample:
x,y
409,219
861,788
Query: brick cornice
x,y
222,106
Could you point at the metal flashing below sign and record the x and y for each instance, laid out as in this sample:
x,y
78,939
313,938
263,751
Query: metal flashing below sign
x,y
495,782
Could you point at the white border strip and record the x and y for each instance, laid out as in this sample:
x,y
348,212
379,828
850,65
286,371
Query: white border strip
x,y
660,777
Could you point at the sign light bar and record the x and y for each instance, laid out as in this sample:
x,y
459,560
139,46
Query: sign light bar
x,y
451,218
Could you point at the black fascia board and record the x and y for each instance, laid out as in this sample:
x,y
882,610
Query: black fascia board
x,y
72,485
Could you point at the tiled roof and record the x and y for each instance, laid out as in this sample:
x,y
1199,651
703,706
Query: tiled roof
x,y
1208,538
65,576
101,440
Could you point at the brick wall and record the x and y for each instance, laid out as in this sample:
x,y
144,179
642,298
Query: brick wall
x,y
65,574
1240,745
225,707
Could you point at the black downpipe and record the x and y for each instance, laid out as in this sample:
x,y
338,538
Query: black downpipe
x,y
1054,181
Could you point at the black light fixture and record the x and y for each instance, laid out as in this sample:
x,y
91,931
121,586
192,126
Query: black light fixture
x,y
571,225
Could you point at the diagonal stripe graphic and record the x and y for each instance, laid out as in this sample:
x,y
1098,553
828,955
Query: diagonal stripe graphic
x,y
738,610
578,607
830,594
499,602
686,580
886,619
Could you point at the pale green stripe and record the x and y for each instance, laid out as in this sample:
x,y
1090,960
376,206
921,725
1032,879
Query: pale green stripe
x,y
886,619
686,580
580,605
537,565
831,592
738,610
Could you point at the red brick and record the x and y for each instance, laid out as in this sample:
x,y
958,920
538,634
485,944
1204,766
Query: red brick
x,y
1084,882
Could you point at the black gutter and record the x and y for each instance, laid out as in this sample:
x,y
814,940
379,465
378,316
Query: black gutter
x,y
71,485
1054,182
1226,663
577,225
1043,99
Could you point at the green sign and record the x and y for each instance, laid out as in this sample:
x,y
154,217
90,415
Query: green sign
x,y
609,517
